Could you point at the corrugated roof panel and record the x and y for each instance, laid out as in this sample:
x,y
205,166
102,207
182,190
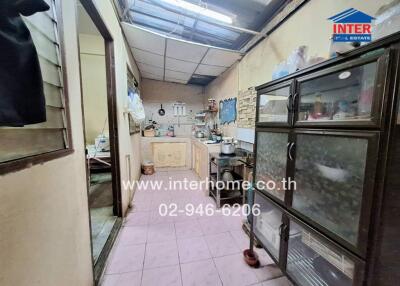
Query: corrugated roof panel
x,y
151,22
249,14
148,8
217,31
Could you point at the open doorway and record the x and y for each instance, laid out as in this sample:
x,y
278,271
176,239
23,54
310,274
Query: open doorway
x,y
101,135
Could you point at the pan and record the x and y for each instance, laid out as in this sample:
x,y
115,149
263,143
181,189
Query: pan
x,y
161,111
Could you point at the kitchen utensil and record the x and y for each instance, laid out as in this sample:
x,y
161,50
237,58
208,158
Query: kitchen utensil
x,y
171,131
199,134
228,148
148,168
161,111
251,258
149,133
227,175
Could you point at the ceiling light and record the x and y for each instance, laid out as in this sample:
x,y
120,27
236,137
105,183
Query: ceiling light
x,y
200,10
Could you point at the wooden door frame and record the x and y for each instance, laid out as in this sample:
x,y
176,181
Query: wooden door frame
x,y
96,18
111,101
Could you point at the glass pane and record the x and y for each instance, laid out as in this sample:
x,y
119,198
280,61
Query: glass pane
x,y
329,182
345,95
53,95
267,224
310,261
45,48
43,23
20,142
274,106
54,119
50,72
271,163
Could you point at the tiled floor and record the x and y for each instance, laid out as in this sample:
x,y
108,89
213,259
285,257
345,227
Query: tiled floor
x,y
183,250
102,220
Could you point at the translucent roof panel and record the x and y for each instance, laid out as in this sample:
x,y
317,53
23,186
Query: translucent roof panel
x,y
163,17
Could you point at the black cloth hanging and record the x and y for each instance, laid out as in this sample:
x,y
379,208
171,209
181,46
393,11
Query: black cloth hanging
x,y
22,100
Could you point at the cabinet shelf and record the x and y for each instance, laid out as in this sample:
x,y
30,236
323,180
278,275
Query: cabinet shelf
x,y
304,269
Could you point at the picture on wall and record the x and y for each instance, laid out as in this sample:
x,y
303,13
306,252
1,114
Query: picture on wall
x,y
227,110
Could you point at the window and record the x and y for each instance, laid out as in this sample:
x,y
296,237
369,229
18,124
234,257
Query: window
x,y
21,146
134,127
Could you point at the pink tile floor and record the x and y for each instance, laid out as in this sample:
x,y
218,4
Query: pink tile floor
x,y
183,250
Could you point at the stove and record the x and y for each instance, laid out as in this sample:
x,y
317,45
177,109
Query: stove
x,y
227,155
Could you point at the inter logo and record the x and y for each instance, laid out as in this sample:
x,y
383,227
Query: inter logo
x,y
352,26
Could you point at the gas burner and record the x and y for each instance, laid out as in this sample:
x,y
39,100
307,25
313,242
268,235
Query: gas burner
x,y
227,155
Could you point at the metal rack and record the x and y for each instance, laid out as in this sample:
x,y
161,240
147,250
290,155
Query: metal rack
x,y
304,267
219,163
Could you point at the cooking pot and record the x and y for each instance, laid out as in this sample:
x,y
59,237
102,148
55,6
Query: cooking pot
x,y
228,148
199,134
227,175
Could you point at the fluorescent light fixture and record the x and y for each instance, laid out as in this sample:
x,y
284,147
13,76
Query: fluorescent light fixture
x,y
200,10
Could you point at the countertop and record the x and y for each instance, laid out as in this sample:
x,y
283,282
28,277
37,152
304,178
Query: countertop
x,y
203,141
166,139
239,154
179,139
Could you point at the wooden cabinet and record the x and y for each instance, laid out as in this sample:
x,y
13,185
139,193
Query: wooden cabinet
x,y
200,159
169,154
339,140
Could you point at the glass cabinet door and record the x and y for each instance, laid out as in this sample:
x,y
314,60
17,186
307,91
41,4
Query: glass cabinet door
x,y
271,160
312,261
267,225
349,95
330,176
273,106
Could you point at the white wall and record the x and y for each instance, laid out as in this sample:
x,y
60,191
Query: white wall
x,y
154,93
94,85
44,220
